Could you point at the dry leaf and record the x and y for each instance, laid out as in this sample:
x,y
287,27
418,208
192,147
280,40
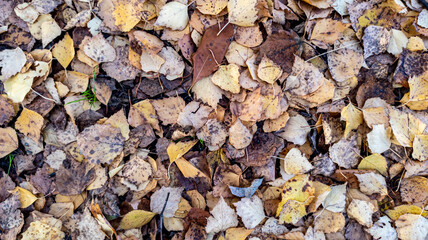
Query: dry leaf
x,y
249,36
296,130
42,229
237,233
195,114
420,147
63,51
298,188
143,112
98,49
344,64
26,12
158,200
251,211
329,222
213,134
136,219
11,62
30,124
227,78
361,211
327,31
8,141
120,15
177,150
242,13
397,42
382,229
415,190
336,199
121,69
345,152
371,183
292,212
173,15
304,79
212,7
174,65
375,39
295,163
25,197
168,109
395,213
100,143
62,211
378,139
239,135
412,227
268,71
353,117
375,162
223,217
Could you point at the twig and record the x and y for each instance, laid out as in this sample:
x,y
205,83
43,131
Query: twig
x,y
161,215
50,99
355,43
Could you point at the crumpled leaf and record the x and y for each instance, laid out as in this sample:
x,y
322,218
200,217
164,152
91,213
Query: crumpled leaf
x,y
157,200
88,227
213,134
141,113
361,211
411,227
223,217
353,117
8,141
11,62
246,192
211,51
371,183
136,219
382,229
304,79
173,15
242,13
98,49
63,51
251,211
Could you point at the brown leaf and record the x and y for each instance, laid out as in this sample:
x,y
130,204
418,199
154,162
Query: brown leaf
x,y
262,148
211,51
121,69
280,48
6,184
8,141
42,182
73,180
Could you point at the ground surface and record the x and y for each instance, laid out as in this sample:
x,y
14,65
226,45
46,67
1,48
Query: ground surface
x,y
239,119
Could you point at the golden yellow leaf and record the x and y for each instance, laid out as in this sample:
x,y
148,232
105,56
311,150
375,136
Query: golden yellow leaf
x,y
143,112
414,105
118,120
211,7
353,118
321,192
418,87
136,219
120,15
64,51
227,78
298,188
242,12
8,141
377,16
177,150
30,124
395,213
268,71
292,212
25,197
238,233
375,162
415,44
187,169
328,30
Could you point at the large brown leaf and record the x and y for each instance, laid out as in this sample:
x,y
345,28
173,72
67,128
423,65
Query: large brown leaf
x,y
204,63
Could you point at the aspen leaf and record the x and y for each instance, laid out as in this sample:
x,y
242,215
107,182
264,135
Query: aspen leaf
x,y
213,134
298,188
118,120
211,7
98,49
375,162
143,112
150,62
43,229
251,211
395,213
371,183
173,67
11,62
327,30
304,79
352,116
168,109
328,221
397,42
30,123
239,135
237,233
136,219
295,163
412,227
173,15
268,71
292,212
25,197
296,130
238,54
26,12
336,199
414,190
157,200
420,147
120,15
227,78
242,13
8,141
50,31
361,211
382,229
378,139
207,92
223,217
344,64
418,87
345,152
188,170
79,20
63,51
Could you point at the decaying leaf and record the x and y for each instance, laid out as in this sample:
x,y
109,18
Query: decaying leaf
x,y
327,31
242,13
239,135
8,141
296,130
251,211
295,163
345,152
98,49
371,183
382,229
223,217
159,197
361,211
412,226
213,134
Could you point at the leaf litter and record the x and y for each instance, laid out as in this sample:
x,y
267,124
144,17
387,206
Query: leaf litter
x,y
220,119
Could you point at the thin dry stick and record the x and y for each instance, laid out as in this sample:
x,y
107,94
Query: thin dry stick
x,y
50,99
161,215
334,50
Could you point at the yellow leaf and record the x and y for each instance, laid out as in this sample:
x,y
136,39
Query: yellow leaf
x,y
328,30
395,213
227,78
25,197
292,212
136,219
420,147
418,87
211,7
64,51
242,12
177,150
238,233
353,118
298,188
415,44
30,124
120,15
8,141
143,112
375,162
118,120
414,105
376,16
268,71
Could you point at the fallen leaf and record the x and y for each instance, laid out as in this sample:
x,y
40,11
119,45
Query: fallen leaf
x,y
250,109
395,213
173,66
335,200
246,192
344,64
74,180
212,7
168,109
213,134
143,112
136,173
30,124
146,41
100,143
378,139
268,71
272,226
25,197
98,49
298,188
295,162
329,222
62,211
26,12
173,15
420,146
353,117
242,13
8,141
136,219
211,51
118,120
10,216
249,36
159,197
375,40
42,229
382,229
296,130
227,78
223,217
237,233
45,7
345,152
251,211
411,226
120,15
414,190
304,79
375,162
327,31
397,42
121,69
11,62
371,183
361,211
63,51
87,226
79,20
239,135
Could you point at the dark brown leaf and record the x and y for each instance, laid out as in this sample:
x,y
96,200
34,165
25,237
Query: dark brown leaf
x,y
73,180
